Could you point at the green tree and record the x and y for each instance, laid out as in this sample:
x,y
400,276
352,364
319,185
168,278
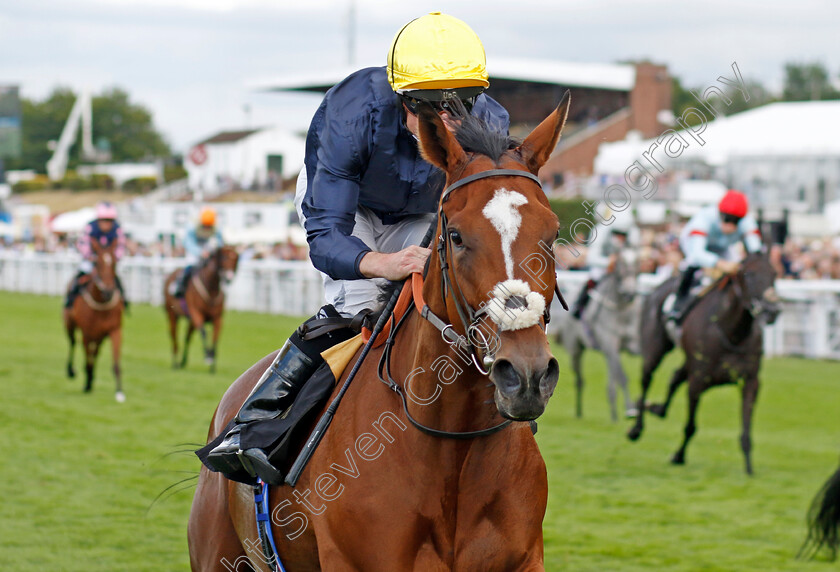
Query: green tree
x,y
682,99
127,128
808,82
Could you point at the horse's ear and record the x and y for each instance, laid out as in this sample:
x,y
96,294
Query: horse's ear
x,y
538,146
437,144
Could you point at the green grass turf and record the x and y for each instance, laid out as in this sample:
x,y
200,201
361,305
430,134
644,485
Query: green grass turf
x,y
79,472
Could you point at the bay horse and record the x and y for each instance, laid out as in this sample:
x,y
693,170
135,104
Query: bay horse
x,y
380,494
722,341
611,326
824,520
97,312
203,302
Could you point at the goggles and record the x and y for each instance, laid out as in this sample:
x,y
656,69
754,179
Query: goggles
x,y
441,99
730,218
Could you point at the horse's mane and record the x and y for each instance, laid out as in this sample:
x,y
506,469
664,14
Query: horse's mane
x,y
475,136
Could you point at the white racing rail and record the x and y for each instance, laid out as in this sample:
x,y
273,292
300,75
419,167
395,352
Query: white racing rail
x,y
809,325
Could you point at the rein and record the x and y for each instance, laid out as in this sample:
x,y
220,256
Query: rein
x,y
199,284
450,337
205,295
101,306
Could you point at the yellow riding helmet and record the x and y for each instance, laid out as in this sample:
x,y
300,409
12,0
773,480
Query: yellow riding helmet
x,y
437,53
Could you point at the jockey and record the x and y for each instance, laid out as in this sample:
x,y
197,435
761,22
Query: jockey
x,y
199,242
707,239
105,230
367,196
601,255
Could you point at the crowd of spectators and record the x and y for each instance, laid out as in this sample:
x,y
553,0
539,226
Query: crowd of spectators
x,y
659,253
57,243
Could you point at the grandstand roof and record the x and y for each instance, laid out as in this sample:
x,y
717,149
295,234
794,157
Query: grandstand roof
x,y
619,77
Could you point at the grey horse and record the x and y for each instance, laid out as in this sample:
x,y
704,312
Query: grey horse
x,y
610,325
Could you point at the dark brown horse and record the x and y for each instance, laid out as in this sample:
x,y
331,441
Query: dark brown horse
x,y
203,302
97,312
379,494
722,341
824,520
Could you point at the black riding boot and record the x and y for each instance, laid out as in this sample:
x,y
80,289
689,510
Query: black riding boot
x,y
75,288
181,285
583,298
276,391
682,300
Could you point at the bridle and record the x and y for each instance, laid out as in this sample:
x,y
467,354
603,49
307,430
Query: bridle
x,y
469,317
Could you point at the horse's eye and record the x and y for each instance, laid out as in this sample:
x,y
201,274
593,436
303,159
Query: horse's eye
x,y
455,237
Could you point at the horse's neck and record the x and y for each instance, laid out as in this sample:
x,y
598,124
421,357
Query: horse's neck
x,y
209,275
733,318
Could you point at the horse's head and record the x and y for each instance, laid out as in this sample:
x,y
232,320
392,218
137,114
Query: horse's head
x,y
494,216
625,274
758,276
227,259
104,273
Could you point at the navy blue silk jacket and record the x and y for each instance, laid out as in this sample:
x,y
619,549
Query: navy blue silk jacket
x,y
359,152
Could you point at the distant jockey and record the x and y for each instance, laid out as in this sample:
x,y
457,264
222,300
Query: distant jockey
x,y
601,256
199,242
707,239
105,230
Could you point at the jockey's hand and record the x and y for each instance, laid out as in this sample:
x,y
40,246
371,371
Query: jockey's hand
x,y
728,266
394,266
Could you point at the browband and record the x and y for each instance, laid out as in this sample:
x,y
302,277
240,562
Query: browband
x,y
484,175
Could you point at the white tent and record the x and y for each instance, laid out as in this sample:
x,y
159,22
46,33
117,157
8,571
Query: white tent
x,y
73,221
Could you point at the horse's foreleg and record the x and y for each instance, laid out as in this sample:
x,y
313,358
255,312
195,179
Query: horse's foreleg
x,y
749,393
616,378
690,426
172,315
91,351
576,354
217,328
190,330
116,343
655,350
677,379
70,326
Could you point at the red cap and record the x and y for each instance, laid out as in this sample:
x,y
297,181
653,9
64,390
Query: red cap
x,y
734,203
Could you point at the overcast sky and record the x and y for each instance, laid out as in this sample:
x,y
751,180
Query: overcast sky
x,y
192,61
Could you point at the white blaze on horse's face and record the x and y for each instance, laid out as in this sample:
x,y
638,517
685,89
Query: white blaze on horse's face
x,y
513,306
502,213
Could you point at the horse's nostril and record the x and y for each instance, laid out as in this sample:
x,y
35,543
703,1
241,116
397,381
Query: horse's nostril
x,y
505,376
549,377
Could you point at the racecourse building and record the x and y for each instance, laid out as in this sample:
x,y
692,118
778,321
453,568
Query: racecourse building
x,y
608,102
